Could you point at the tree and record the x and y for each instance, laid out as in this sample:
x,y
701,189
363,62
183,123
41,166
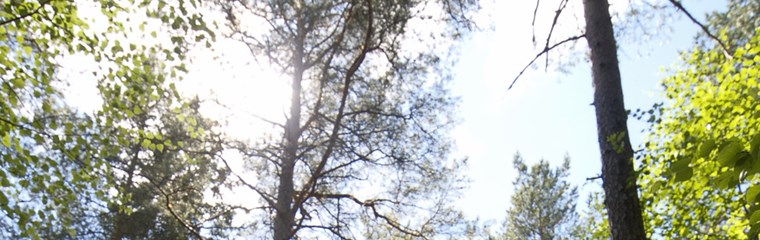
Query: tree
x,y
738,21
618,177
163,173
697,159
593,224
543,204
167,172
39,143
166,168
704,147
366,112
700,155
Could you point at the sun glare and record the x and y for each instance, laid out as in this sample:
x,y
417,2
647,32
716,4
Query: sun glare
x,y
237,90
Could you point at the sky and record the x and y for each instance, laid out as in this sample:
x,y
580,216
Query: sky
x,y
547,114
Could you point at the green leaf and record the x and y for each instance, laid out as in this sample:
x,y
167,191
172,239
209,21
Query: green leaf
x,y
3,199
680,164
706,147
46,107
727,180
728,153
17,82
684,174
754,219
752,193
23,218
146,144
6,140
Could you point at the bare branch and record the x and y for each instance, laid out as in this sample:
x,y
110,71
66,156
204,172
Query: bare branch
x,y
722,45
594,178
265,196
533,23
310,186
372,205
545,51
562,5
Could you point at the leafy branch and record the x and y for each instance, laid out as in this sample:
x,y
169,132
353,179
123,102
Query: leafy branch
x,y
26,15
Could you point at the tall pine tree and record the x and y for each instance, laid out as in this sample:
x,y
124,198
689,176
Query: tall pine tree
x,y
543,204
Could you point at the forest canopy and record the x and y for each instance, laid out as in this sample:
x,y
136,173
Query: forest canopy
x,y
363,140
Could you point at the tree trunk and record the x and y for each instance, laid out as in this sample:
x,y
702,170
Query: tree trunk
x,y
621,197
284,221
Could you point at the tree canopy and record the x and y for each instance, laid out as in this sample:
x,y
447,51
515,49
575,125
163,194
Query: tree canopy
x,y
363,150
53,154
703,162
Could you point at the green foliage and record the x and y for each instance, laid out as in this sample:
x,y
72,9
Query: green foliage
x,y
700,178
738,23
165,169
40,137
593,224
543,204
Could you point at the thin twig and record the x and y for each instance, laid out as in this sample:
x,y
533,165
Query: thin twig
x,y
533,23
704,28
557,13
546,50
263,195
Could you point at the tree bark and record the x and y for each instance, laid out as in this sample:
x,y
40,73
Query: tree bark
x,y
619,180
284,221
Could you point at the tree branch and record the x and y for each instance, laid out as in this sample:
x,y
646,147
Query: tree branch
x,y
594,178
36,10
533,23
372,205
726,52
310,186
169,207
562,5
265,196
545,51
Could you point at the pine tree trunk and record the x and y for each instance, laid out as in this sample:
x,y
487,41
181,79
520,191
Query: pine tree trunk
x,y
621,197
284,222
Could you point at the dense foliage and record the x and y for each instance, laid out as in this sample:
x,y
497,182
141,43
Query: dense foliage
x,y
53,155
699,172
702,175
363,150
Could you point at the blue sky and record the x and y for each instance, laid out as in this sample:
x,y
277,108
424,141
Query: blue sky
x,y
547,114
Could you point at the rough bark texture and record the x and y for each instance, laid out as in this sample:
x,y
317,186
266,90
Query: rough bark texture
x,y
624,211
